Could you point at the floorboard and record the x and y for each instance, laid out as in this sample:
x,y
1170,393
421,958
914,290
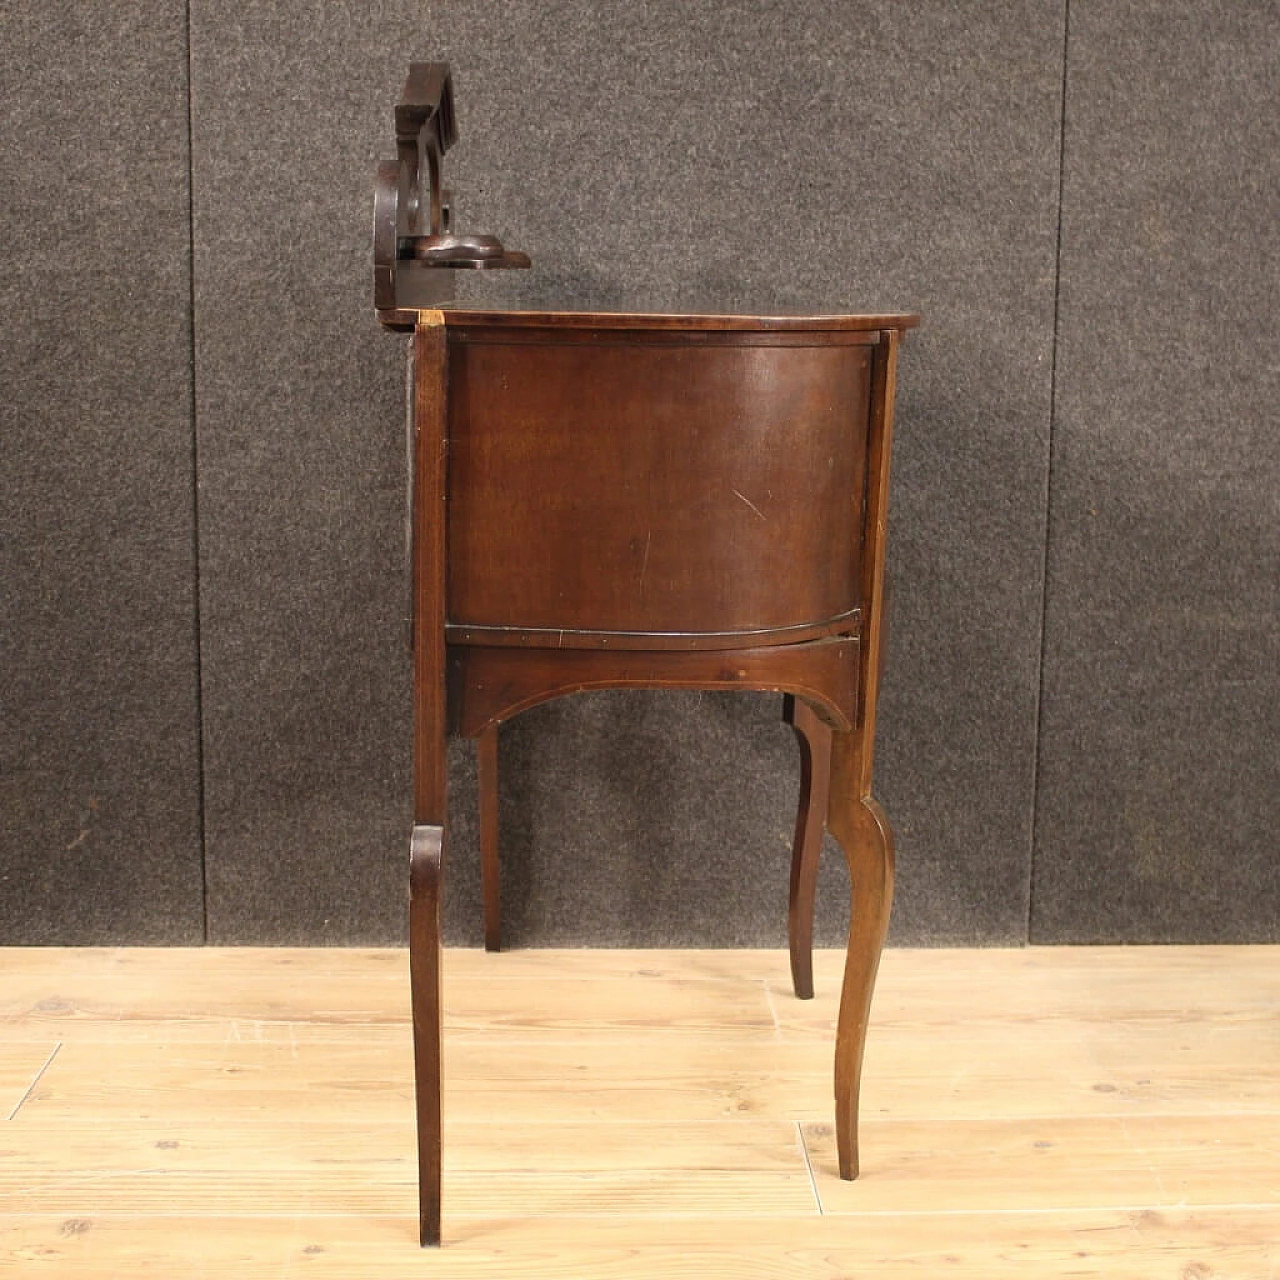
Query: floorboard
x,y
1047,1112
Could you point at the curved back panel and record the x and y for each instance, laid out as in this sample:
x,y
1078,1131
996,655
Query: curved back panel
x,y
695,484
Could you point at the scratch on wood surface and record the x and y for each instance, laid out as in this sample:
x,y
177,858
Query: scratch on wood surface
x,y
773,1012
38,1077
808,1164
752,505
644,567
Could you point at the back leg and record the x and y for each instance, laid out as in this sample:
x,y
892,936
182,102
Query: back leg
x,y
814,738
490,875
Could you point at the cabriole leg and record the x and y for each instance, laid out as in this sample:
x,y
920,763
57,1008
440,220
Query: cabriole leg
x,y
814,738
862,828
430,782
425,868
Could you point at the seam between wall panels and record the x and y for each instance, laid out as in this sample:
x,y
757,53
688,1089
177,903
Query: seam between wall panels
x,y
195,483
1048,481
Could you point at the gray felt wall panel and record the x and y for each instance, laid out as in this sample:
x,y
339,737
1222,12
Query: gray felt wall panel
x,y
1160,766
99,783
862,156
300,425
874,156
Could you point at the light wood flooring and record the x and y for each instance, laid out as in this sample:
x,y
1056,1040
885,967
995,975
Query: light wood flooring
x,y
248,1113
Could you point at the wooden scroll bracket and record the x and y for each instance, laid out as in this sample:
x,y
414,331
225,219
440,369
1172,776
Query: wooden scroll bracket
x,y
415,248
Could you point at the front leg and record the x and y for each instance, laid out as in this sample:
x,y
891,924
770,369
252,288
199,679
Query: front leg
x,y
430,784
426,864
860,825
853,817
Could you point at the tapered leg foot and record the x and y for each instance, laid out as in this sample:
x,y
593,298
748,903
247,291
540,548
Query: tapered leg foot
x,y
425,866
863,830
814,738
490,877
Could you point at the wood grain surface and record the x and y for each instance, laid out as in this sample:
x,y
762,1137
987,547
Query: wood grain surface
x,y
1056,1112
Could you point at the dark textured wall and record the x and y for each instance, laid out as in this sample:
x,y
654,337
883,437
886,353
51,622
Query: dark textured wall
x,y
299,416
615,147
865,156
1160,758
99,774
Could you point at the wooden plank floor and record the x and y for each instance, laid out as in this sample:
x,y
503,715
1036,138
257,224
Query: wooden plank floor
x,y
1110,1112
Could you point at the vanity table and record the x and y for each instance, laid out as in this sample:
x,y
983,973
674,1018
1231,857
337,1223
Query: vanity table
x,y
626,499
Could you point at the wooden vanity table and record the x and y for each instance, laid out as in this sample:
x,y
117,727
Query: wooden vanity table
x,y
634,500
